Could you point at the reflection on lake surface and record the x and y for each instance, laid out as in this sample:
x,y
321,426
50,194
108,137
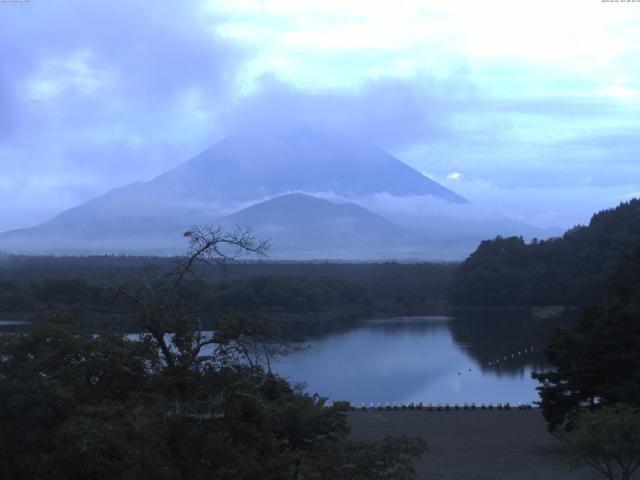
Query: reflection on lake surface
x,y
481,357
12,324
425,359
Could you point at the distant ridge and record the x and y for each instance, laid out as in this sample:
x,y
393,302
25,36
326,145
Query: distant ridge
x,y
302,226
302,210
242,167
147,217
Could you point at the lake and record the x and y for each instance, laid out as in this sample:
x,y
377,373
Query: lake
x,y
11,325
483,357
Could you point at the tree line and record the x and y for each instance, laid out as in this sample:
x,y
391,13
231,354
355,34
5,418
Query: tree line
x,y
569,270
590,397
32,286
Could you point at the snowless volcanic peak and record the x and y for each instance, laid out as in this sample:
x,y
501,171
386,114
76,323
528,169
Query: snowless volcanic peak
x,y
251,166
300,226
243,169
297,210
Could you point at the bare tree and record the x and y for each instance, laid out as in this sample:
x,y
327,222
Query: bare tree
x,y
173,328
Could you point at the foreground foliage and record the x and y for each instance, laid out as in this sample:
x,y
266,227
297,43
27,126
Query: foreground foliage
x,y
607,440
175,404
597,362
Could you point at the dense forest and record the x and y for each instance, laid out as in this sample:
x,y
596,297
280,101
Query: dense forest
x,y
263,295
597,361
31,286
570,270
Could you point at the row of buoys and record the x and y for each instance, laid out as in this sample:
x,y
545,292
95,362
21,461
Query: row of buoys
x,y
519,353
435,407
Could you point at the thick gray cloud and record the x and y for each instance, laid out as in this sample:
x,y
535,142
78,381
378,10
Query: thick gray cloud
x,y
94,95
445,125
389,112
97,94
82,63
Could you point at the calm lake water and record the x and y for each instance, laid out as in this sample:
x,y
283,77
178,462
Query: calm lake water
x,y
13,324
485,357
481,357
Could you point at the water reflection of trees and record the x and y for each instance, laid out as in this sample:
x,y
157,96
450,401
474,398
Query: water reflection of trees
x,y
318,327
490,336
393,359
484,335
312,327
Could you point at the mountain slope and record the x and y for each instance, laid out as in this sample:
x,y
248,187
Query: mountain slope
x,y
280,162
147,217
301,226
570,270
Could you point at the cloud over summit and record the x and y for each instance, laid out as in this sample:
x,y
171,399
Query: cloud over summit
x,y
94,95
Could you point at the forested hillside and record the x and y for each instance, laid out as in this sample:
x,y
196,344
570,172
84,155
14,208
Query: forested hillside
x,y
32,286
597,361
570,270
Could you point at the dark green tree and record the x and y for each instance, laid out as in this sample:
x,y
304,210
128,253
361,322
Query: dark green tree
x,y
568,270
607,440
597,362
178,403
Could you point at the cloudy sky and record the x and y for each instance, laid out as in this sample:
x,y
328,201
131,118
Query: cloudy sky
x,y
530,108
